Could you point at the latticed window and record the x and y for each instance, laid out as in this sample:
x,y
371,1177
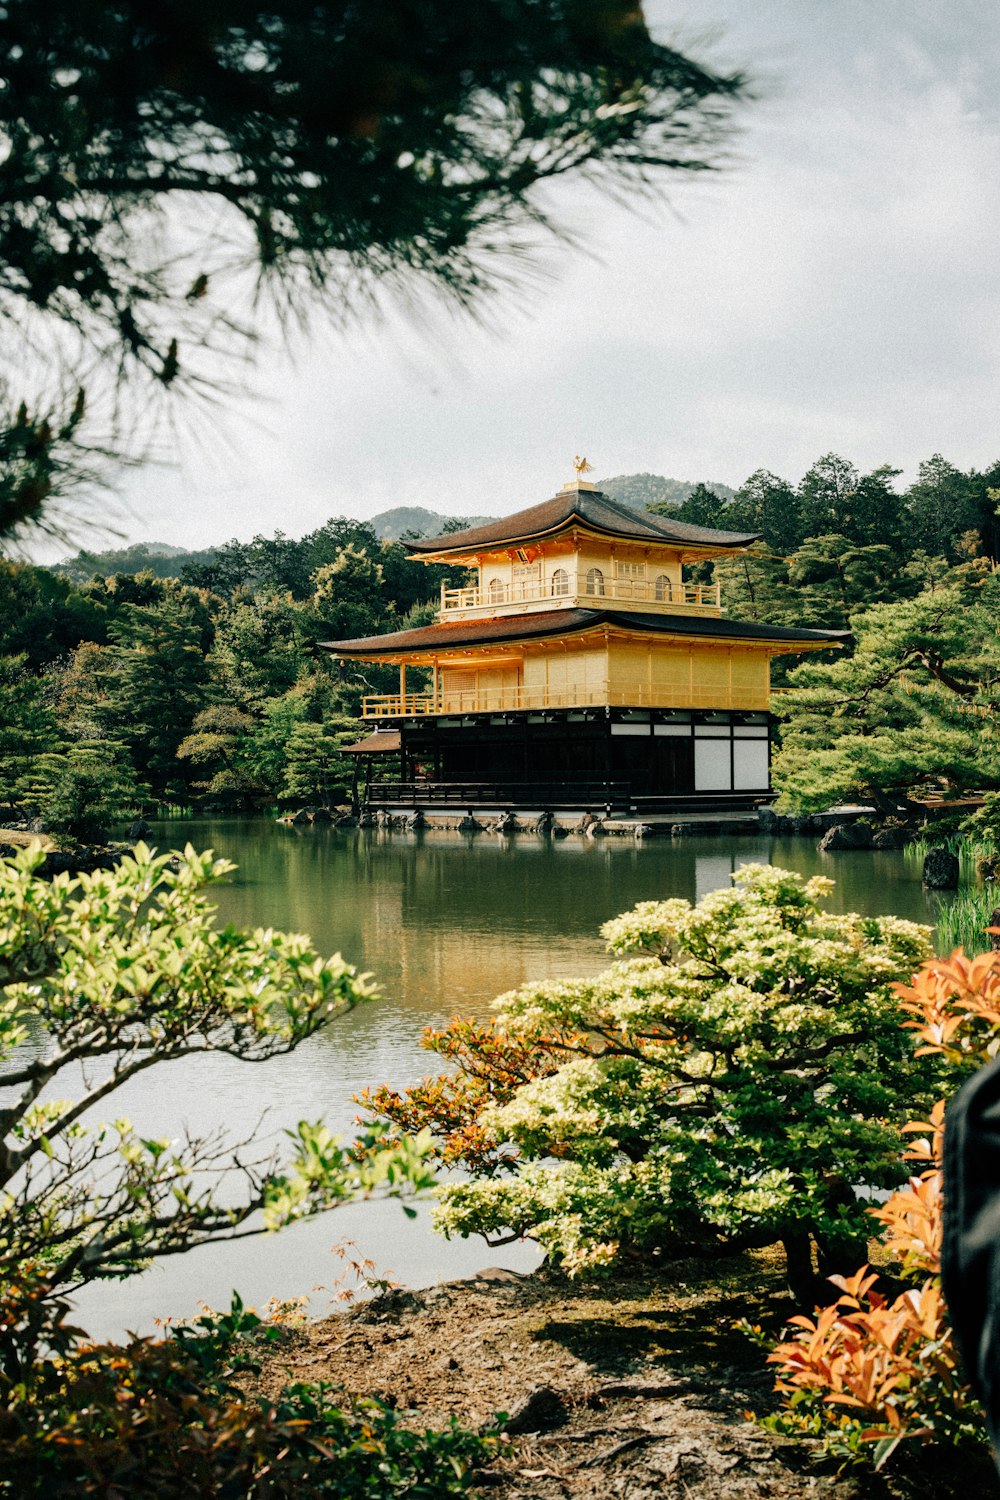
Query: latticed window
x,y
595,581
662,588
496,590
560,581
527,580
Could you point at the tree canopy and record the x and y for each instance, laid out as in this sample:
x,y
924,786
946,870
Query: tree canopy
x,y
911,710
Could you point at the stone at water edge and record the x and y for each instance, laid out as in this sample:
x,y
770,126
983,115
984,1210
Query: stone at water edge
x,y
858,835
941,870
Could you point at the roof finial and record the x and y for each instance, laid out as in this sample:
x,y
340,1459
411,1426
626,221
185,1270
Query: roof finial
x,y
581,466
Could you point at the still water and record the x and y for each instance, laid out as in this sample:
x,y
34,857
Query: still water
x,y
444,922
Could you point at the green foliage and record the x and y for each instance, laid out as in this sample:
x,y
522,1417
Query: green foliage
x,y
128,968
910,711
158,558
315,768
42,616
168,1419
942,506
733,1083
82,793
155,679
703,507
214,750
258,648
963,920
654,492
984,823
835,498
42,453
767,504
879,1367
27,725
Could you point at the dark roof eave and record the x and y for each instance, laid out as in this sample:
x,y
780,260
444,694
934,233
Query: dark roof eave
x,y
428,638
586,508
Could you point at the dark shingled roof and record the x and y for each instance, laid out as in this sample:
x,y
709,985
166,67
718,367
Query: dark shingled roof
x,y
590,507
382,742
570,622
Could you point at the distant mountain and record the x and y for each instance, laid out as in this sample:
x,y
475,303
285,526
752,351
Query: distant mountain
x,y
159,558
639,491
392,524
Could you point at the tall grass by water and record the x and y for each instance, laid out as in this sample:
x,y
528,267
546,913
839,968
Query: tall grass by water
x,y
969,851
962,920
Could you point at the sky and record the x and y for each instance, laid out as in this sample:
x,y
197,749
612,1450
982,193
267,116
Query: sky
x,y
834,290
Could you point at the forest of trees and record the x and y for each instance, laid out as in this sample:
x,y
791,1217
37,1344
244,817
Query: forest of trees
x,y
135,691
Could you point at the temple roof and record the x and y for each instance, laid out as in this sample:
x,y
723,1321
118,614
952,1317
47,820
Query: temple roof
x,y
382,742
558,622
589,507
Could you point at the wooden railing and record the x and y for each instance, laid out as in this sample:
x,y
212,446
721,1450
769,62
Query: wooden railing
x,y
583,588
499,700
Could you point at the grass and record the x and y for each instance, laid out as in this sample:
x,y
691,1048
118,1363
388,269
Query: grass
x,y
960,924
963,917
969,851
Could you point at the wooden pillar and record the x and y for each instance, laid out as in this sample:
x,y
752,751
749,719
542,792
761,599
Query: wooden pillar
x,y
402,684
434,684
607,757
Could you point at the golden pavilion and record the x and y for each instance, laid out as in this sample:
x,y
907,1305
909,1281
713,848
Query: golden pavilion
x,y
579,669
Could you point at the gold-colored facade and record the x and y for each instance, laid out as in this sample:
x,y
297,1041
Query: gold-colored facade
x,y
575,647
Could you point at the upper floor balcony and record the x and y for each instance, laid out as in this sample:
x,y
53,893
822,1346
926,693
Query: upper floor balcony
x,y
590,590
516,697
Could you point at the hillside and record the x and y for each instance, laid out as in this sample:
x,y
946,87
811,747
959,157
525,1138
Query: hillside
x,y
638,491
162,559
414,520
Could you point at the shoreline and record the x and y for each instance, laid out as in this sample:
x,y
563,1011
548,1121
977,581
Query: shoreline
x,y
635,1386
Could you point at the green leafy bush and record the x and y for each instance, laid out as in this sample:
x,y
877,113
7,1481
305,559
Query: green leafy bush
x,y
984,823
733,1082
125,969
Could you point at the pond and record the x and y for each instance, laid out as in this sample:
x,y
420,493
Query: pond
x,y
445,922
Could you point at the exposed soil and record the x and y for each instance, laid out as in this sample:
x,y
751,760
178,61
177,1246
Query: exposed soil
x,y
635,1389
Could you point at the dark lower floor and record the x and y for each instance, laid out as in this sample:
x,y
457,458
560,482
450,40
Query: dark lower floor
x,y
630,759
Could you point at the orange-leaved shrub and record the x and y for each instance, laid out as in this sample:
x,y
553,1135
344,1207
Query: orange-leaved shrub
x,y
491,1062
874,1369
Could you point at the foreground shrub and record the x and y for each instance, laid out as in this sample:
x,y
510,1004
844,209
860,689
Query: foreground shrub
x,y
168,1419
872,1370
730,1085
106,976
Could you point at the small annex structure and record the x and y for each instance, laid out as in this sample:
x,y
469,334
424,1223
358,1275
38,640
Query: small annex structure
x,y
573,666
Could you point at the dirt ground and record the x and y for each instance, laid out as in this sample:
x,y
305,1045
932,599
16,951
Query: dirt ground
x,y
633,1389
